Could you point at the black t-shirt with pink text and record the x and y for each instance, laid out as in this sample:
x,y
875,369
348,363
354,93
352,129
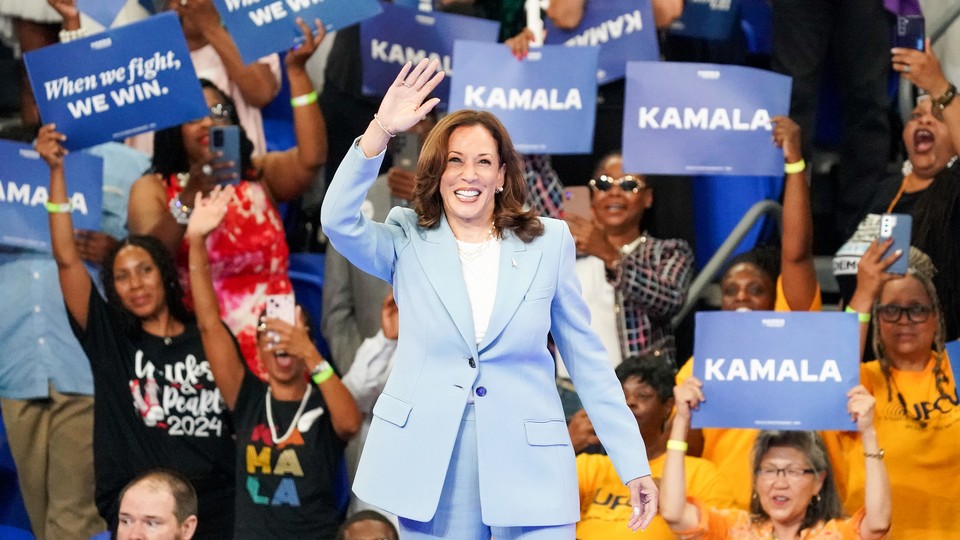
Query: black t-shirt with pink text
x,y
156,405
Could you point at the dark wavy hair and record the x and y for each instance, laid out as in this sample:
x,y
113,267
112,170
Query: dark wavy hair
x,y
170,157
936,212
173,291
508,212
826,505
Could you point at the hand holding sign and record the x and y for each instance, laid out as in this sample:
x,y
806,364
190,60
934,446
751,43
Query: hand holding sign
x,y
860,405
298,56
67,9
688,395
403,105
198,14
49,146
786,136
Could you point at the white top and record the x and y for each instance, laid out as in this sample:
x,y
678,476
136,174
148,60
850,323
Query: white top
x,y
480,264
601,298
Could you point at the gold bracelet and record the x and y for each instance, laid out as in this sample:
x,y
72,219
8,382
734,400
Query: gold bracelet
x,y
795,167
304,100
385,130
875,455
674,444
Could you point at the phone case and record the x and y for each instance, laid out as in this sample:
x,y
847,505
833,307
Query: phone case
x,y
576,201
226,140
910,32
897,226
281,306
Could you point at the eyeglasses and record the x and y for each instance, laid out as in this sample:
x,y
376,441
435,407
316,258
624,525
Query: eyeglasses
x,y
891,313
627,182
220,113
790,473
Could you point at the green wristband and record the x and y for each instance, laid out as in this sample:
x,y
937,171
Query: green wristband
x,y
862,317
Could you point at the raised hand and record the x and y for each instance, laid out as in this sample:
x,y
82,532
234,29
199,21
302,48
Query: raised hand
x,y
921,68
208,212
860,406
403,105
49,146
688,397
786,135
297,57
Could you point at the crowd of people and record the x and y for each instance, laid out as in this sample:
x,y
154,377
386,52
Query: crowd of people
x,y
498,368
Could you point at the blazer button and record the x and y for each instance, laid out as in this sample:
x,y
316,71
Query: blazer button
x,y
473,363
481,391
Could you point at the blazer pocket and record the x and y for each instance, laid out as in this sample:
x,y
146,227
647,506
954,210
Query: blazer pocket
x,y
537,294
393,410
546,432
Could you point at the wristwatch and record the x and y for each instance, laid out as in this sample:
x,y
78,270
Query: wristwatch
x,y
941,102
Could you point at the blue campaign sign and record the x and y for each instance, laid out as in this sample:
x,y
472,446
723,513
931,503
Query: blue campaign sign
x,y
122,82
692,119
623,29
24,178
262,27
546,101
403,34
707,19
102,11
776,370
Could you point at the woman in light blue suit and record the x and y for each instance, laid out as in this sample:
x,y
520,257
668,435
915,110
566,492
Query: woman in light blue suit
x,y
468,438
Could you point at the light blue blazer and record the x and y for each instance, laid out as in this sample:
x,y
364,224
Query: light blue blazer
x,y
526,463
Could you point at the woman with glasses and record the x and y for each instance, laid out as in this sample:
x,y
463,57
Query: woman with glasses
x,y
793,496
914,382
633,282
765,279
249,254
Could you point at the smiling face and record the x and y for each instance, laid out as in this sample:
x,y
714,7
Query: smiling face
x,y
784,496
905,340
138,282
746,287
615,208
927,140
471,175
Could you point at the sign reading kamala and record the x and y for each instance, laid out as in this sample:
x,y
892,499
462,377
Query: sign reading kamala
x,y
688,119
776,370
119,83
547,101
402,34
707,19
623,29
262,27
24,178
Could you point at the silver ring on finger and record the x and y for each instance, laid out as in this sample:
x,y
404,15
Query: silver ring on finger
x,y
906,69
406,85
207,169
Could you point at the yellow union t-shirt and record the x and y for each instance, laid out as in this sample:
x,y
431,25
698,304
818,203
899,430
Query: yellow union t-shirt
x,y
605,500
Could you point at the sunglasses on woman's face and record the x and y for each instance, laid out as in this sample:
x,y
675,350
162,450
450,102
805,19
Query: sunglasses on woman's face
x,y
627,182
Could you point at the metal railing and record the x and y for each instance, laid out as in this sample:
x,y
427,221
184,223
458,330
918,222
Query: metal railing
x,y
715,264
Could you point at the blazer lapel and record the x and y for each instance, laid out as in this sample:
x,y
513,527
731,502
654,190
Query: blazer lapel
x,y
441,263
518,266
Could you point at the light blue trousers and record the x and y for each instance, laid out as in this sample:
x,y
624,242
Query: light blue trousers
x,y
458,515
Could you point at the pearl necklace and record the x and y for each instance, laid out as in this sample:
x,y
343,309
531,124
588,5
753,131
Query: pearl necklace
x,y
470,251
296,417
